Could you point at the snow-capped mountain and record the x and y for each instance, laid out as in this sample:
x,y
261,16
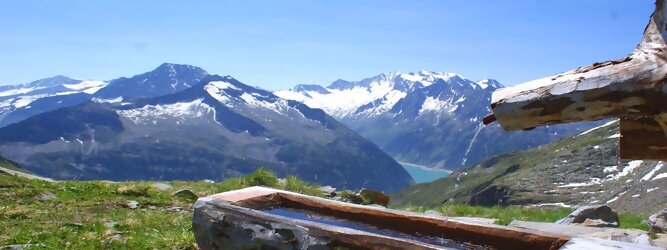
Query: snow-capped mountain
x,y
215,129
376,95
426,117
18,102
168,78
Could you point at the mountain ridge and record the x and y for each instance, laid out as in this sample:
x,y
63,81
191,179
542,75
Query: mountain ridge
x,y
215,129
427,117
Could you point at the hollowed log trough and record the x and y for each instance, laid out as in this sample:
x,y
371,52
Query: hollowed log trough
x,y
247,219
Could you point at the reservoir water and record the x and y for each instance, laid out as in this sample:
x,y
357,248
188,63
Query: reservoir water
x,y
423,174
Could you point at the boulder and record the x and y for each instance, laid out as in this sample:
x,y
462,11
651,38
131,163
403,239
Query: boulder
x,y
132,204
657,223
328,191
374,197
45,196
597,216
186,194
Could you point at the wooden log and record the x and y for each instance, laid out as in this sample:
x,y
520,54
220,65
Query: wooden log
x,y
644,138
631,87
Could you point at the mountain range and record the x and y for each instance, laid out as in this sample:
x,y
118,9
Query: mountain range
x,y
179,122
428,118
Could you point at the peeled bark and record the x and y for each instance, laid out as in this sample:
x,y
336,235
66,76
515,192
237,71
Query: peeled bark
x,y
631,88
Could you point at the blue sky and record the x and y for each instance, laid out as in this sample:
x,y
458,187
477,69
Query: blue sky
x,y
277,44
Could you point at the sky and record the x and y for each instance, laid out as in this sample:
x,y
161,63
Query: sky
x,y
277,44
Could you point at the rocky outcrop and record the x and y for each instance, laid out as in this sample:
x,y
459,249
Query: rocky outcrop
x,y
595,216
657,222
617,238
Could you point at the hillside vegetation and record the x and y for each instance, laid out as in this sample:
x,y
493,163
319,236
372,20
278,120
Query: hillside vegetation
x,y
96,214
577,170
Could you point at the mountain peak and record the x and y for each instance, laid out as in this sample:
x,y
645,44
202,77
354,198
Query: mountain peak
x,y
489,83
177,67
166,79
51,81
310,87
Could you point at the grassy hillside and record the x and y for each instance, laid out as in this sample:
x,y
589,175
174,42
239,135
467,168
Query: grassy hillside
x,y
578,170
4,163
95,215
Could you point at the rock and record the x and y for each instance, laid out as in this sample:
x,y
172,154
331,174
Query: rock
x,y
660,240
596,212
636,237
174,209
657,223
328,191
22,246
597,223
186,194
45,196
375,197
631,236
161,186
207,181
110,224
132,204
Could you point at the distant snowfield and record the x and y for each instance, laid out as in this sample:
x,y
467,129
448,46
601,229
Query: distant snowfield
x,y
88,87
18,91
180,111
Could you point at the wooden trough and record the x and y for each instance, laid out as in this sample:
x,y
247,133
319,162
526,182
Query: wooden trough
x,y
631,88
263,218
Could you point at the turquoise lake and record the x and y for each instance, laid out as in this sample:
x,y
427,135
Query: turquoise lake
x,y
422,174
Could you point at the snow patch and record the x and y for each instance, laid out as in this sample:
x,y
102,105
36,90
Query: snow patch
x,y
222,85
114,100
273,106
660,176
18,91
616,198
598,127
653,171
631,166
181,111
88,87
556,204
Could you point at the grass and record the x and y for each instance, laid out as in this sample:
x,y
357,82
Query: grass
x,y
505,215
94,214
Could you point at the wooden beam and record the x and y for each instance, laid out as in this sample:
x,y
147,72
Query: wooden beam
x,y
644,138
631,87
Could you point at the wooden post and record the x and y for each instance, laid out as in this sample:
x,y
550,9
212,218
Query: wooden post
x,y
631,88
